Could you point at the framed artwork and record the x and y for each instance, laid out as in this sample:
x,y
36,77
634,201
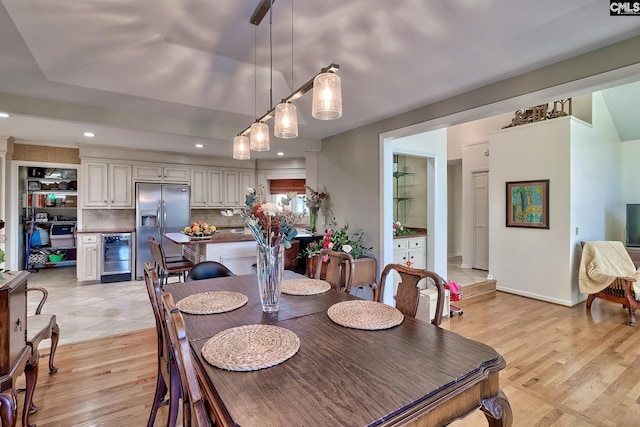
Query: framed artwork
x,y
528,204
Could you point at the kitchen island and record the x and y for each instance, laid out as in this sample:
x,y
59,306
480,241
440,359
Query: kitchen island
x,y
235,249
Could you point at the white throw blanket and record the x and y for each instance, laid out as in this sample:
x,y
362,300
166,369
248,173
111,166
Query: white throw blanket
x,y
601,263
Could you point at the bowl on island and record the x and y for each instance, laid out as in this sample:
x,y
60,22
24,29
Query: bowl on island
x,y
199,230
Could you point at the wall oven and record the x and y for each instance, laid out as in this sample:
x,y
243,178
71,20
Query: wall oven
x,y
116,261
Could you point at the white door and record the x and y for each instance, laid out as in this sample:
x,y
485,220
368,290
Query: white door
x,y
481,220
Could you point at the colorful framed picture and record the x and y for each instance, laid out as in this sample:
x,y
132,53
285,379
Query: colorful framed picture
x,y
528,204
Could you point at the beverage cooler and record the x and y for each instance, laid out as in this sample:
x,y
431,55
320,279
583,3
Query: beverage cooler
x,y
117,257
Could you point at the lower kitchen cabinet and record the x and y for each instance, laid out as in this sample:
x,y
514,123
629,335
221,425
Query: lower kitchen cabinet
x,y
410,252
88,267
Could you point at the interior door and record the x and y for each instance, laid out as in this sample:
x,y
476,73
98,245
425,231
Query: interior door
x,y
481,220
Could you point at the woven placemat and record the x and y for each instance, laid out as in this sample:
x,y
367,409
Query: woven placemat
x,y
304,286
212,302
368,315
250,347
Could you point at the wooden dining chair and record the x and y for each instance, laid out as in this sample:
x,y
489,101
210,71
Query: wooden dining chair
x,y
165,267
408,294
208,270
339,267
40,327
194,408
167,370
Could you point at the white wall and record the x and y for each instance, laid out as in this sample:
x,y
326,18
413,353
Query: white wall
x,y
473,132
525,261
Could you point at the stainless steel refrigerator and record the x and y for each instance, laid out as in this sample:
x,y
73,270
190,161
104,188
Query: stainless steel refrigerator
x,y
160,209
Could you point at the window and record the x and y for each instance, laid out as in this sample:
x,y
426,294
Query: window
x,y
297,204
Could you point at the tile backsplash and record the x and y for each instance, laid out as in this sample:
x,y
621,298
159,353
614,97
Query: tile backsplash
x,y
213,217
105,219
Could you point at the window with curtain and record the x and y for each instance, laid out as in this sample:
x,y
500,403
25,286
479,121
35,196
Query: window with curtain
x,y
280,187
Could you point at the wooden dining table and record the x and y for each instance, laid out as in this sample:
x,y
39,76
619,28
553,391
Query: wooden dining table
x,y
414,374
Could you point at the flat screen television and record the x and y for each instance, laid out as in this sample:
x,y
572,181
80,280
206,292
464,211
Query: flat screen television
x,y
633,225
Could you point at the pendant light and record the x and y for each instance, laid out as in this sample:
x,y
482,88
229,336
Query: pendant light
x,y
286,122
327,96
286,114
241,148
259,139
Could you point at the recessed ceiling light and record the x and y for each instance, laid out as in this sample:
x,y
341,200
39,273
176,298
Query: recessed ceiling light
x,y
4,115
199,145
89,134
280,153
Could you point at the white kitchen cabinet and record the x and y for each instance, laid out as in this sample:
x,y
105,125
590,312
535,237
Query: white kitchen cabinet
x,y
215,191
108,185
231,189
199,188
120,186
410,252
160,173
247,179
96,187
88,258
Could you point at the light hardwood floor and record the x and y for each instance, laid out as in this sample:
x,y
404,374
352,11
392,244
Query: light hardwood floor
x,y
565,367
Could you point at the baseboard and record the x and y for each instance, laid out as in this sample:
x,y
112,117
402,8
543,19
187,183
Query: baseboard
x,y
532,295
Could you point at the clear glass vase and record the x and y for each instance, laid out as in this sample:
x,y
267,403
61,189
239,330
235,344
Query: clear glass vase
x,y
313,220
270,269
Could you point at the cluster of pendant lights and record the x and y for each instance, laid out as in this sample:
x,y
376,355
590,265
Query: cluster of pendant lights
x,y
327,105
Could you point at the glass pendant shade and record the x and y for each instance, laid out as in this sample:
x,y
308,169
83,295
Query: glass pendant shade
x,y
241,148
259,140
286,121
327,97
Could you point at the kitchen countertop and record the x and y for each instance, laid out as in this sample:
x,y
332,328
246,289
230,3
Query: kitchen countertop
x,y
105,230
417,232
218,237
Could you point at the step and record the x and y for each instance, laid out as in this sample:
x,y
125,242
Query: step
x,y
476,291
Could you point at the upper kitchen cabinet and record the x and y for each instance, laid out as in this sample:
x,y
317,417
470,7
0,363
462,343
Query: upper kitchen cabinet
x,y
108,185
199,188
215,188
160,173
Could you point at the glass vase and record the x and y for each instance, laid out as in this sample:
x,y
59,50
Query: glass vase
x,y
313,220
270,269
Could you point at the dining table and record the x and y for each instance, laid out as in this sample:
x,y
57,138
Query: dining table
x,y
414,373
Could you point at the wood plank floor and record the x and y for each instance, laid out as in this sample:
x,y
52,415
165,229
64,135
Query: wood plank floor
x,y
565,367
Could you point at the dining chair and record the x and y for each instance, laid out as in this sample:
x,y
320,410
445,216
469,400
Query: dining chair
x,y
408,294
339,267
194,408
39,328
166,268
208,270
167,371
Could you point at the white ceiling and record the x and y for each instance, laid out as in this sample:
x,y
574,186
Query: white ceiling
x,y
164,75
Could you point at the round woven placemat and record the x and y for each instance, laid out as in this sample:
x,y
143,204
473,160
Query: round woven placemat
x,y
212,302
250,347
368,315
304,286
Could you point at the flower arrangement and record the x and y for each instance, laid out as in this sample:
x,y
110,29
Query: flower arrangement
x,y
400,230
315,199
269,223
338,239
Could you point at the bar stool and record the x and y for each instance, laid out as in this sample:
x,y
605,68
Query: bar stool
x,y
179,267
